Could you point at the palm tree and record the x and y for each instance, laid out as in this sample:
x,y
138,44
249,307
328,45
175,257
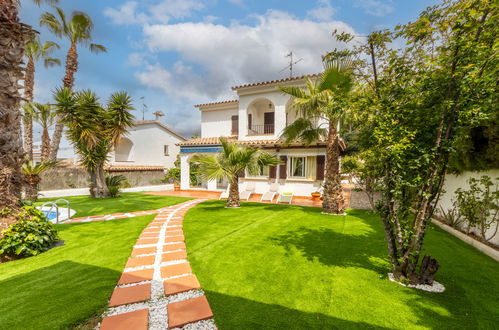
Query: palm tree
x,y
323,101
94,130
78,30
34,50
13,37
44,114
233,161
32,174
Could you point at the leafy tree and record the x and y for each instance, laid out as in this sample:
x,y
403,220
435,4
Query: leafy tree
x,y
233,161
78,30
419,98
323,102
13,38
34,50
93,129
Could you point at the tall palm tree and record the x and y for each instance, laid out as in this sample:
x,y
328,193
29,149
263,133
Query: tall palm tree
x,y
13,37
233,160
44,114
94,130
322,103
78,30
34,50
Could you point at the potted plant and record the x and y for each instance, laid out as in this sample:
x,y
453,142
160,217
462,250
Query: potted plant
x,y
316,196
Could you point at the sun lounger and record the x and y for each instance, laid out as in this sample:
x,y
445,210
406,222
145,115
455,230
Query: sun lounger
x,y
225,194
248,191
269,195
285,197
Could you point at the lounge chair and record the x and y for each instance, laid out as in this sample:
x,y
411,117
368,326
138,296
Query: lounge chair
x,y
248,191
269,195
285,197
225,194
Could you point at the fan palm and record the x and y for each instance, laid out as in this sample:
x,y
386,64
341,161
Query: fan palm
x,y
233,161
93,129
322,103
13,37
32,174
78,30
34,50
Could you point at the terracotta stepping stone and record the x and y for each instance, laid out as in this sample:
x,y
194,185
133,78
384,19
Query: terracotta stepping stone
x,y
176,223
137,320
188,311
175,270
170,256
181,284
170,229
140,261
136,276
152,230
174,232
173,247
131,294
146,250
174,239
147,241
148,235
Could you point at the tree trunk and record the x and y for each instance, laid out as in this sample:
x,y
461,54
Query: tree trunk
x,y
32,187
45,144
29,82
333,202
233,200
13,38
98,187
71,68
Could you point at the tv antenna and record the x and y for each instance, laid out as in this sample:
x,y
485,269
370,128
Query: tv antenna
x,y
144,107
291,63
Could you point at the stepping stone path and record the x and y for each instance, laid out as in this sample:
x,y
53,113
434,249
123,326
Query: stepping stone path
x,y
157,289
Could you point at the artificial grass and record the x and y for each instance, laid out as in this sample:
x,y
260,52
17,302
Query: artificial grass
x,y
67,285
128,202
289,267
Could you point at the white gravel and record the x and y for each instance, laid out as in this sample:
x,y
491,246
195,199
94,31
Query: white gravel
x,y
200,325
435,287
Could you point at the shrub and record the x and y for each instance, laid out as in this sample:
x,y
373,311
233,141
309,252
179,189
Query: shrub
x,y
114,183
172,176
451,217
31,235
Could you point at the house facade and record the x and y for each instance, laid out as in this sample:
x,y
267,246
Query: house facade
x,y
149,143
257,118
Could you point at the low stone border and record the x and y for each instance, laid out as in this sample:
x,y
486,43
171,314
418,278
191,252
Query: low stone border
x,y
157,289
494,254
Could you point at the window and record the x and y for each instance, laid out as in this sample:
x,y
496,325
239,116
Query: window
x,y
297,167
165,150
263,171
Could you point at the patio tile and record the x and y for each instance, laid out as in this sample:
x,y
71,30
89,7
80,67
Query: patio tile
x,y
174,232
146,250
175,270
140,261
131,294
174,239
173,247
137,320
147,241
149,235
188,311
181,284
152,230
170,256
136,276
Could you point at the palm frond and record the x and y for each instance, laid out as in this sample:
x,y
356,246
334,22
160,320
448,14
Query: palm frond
x,y
52,23
49,62
29,168
95,48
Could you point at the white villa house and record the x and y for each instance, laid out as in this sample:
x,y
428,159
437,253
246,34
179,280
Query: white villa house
x,y
149,143
257,118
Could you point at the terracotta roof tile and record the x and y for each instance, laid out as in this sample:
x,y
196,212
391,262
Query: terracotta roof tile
x,y
216,141
275,81
215,103
131,168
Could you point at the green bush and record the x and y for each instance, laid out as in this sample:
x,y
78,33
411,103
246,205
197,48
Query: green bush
x,y
114,183
172,176
31,235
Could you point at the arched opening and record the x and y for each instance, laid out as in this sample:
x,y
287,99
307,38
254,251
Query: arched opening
x,y
123,151
261,117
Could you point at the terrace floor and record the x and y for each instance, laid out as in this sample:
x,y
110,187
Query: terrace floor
x,y
297,200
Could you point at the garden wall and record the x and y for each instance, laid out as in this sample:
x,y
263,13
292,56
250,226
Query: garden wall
x,y
453,182
75,177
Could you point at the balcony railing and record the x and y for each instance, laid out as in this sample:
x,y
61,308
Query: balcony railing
x,y
261,129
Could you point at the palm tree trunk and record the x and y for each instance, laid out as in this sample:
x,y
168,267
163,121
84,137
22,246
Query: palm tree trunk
x,y
333,202
13,38
45,144
29,83
71,68
98,187
233,200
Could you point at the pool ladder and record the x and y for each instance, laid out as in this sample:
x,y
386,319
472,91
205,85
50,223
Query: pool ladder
x,y
54,205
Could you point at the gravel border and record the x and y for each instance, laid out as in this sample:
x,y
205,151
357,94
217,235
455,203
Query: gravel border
x,y
435,287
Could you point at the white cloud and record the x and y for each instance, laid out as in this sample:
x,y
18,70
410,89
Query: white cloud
x,y
151,13
375,7
230,55
323,12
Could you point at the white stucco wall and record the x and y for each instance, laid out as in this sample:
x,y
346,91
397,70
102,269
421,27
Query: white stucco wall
x,y
217,123
453,182
148,146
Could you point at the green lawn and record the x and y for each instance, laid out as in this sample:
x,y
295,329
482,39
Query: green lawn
x,y
289,267
68,285
128,202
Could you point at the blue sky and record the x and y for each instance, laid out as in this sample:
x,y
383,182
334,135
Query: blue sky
x,y
177,53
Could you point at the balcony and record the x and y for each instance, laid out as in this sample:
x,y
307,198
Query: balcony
x,y
261,129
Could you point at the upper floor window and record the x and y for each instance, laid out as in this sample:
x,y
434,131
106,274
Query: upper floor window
x,y
165,150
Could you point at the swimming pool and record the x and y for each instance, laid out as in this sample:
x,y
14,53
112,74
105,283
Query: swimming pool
x,y
51,213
